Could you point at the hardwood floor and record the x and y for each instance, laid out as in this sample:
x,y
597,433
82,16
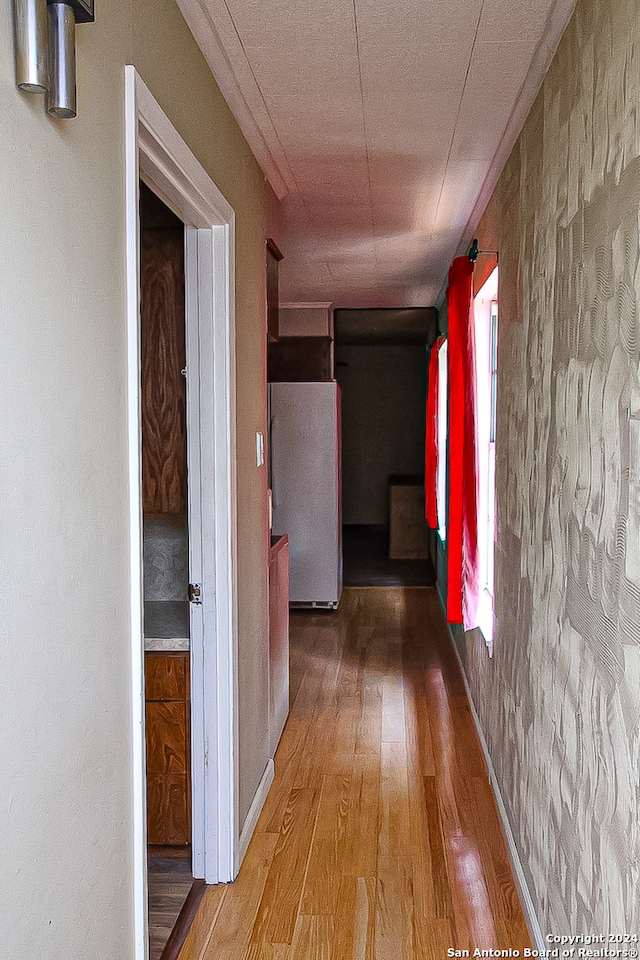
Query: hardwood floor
x,y
174,897
379,839
367,562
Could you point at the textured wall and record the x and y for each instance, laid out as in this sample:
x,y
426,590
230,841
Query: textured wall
x,y
560,701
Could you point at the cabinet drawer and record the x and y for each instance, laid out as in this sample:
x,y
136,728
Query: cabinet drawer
x,y
167,676
168,810
168,747
167,734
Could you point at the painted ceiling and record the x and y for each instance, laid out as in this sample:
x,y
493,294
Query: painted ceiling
x,y
381,126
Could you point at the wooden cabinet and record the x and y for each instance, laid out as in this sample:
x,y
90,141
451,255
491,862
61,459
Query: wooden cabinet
x,y
168,748
278,638
304,350
306,320
298,359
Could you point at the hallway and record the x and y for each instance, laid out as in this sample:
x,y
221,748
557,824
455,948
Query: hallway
x,y
379,837
367,562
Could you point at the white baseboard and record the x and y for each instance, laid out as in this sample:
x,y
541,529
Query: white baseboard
x,y
254,810
526,899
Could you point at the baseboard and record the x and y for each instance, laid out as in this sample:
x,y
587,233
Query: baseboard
x,y
524,892
254,810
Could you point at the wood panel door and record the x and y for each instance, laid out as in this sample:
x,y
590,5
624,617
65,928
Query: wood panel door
x,y
164,394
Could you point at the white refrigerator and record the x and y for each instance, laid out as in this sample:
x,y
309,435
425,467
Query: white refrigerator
x,y
305,482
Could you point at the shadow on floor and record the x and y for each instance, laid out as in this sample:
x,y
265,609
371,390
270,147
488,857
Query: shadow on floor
x,y
367,564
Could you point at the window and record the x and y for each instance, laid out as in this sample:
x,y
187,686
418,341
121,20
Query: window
x,y
485,317
441,481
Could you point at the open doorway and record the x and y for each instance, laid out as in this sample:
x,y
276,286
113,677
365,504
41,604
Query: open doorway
x,y
381,367
156,153
173,892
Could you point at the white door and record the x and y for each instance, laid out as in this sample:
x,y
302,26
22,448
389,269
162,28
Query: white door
x,y
155,150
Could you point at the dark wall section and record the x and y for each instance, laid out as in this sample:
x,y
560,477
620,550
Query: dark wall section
x,y
383,400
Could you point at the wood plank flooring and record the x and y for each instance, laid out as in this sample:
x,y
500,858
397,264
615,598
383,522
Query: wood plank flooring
x,y
170,880
367,562
379,839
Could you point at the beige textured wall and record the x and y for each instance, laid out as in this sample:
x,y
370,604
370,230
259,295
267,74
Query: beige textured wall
x,y
560,701
65,689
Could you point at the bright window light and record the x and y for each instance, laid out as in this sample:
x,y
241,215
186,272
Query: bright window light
x,y
441,483
485,317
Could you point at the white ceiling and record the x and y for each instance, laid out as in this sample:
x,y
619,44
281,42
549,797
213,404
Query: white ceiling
x,y
382,126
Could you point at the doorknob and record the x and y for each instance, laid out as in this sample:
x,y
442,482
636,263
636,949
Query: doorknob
x,y
195,593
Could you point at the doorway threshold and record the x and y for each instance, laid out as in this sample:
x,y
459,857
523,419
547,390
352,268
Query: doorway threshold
x,y
174,897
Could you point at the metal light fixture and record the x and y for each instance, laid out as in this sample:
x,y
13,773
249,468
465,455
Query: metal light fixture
x,y
32,60
63,16
61,97
46,49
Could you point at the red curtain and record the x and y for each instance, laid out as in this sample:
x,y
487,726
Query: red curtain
x,y
431,440
462,525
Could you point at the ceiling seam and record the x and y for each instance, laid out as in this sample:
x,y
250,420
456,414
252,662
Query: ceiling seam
x,y
364,130
455,125
262,97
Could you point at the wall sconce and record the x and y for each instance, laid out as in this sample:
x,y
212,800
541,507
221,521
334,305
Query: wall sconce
x,y
32,57
46,49
63,16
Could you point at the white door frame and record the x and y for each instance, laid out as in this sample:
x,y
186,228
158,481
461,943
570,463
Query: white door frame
x,y
155,151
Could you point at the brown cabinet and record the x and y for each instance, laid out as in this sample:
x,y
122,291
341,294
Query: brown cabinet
x,y
298,359
168,748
